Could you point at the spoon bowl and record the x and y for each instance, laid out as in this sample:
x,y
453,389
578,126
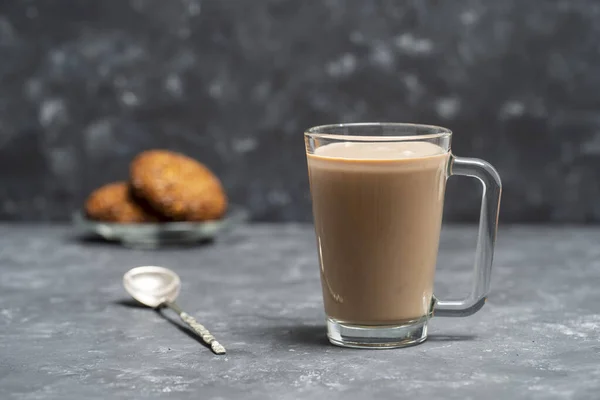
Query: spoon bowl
x,y
151,285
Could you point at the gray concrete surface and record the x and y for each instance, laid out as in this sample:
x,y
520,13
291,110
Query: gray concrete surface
x,y
67,330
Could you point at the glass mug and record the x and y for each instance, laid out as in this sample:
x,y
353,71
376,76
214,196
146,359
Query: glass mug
x,y
377,192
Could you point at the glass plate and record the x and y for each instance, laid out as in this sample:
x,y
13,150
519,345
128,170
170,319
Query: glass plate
x,y
153,235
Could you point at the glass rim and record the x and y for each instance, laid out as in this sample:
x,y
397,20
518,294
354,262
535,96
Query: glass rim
x,y
314,132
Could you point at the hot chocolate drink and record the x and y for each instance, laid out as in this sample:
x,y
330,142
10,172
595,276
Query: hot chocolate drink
x,y
378,210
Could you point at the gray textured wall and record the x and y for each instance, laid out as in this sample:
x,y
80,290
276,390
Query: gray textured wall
x,y
85,84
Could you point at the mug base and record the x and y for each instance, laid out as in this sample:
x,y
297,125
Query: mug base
x,y
377,337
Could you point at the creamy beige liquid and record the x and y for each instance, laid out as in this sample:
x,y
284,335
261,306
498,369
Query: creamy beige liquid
x,y
378,212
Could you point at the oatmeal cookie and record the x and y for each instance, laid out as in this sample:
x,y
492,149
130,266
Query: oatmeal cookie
x,y
115,203
177,186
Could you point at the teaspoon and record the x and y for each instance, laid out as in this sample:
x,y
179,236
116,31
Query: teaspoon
x,y
158,287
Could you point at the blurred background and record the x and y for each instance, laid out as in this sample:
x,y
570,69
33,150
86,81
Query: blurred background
x,y
87,84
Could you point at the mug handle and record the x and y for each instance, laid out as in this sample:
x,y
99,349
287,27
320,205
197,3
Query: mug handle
x,y
486,238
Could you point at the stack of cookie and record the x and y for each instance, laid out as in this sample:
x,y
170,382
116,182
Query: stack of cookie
x,y
163,186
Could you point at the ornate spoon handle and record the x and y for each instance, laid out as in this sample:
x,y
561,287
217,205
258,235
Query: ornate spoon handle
x,y
198,328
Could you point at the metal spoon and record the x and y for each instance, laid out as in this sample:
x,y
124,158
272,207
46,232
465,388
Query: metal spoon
x,y
158,287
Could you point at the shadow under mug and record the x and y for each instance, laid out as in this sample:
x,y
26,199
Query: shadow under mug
x,y
377,191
